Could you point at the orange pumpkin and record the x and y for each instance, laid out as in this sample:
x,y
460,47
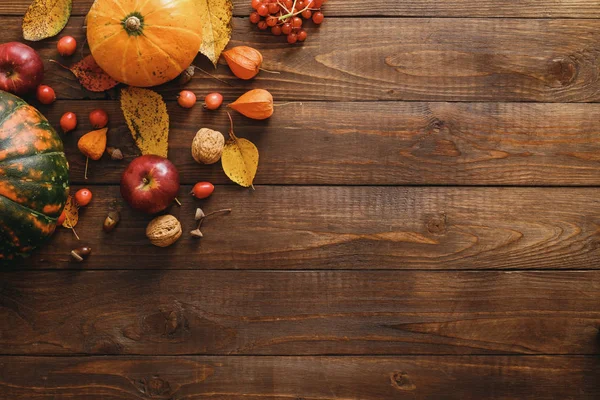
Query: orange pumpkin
x,y
144,43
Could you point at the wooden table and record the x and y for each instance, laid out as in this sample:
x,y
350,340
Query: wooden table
x,y
425,224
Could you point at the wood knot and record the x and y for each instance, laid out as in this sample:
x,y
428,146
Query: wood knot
x,y
154,387
102,344
401,381
437,224
435,126
562,71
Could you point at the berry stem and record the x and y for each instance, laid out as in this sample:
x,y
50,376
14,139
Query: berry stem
x,y
292,14
212,76
72,227
270,72
177,201
87,160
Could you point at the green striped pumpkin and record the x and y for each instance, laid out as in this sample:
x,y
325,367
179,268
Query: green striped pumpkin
x,y
34,177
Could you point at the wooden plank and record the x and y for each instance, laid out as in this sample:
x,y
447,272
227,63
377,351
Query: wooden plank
x,y
276,378
299,313
402,59
307,227
376,143
409,8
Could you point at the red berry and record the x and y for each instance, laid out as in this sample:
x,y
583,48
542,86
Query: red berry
x,y
296,22
98,119
254,17
300,4
68,121
202,190
66,46
262,25
318,17
273,8
83,197
301,35
186,99
292,38
61,218
316,3
212,101
286,28
306,14
256,3
271,20
45,94
263,10
288,4
276,30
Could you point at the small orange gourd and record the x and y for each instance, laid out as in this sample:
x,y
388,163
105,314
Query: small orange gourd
x,y
144,43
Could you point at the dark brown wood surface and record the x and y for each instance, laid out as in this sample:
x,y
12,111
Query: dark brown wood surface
x,y
418,8
315,378
300,313
322,227
425,224
449,59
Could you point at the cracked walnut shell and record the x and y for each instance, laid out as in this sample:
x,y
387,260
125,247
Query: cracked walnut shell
x,y
164,230
207,146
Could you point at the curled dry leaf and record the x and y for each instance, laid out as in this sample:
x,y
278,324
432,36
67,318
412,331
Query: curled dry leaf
x,y
239,159
255,104
45,18
90,75
72,213
216,27
147,118
93,143
244,61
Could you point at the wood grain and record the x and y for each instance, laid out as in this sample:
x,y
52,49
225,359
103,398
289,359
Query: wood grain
x,y
410,59
309,227
412,8
299,313
314,378
383,143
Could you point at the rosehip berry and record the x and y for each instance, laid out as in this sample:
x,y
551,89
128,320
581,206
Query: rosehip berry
x,y
66,46
83,197
45,94
98,118
68,121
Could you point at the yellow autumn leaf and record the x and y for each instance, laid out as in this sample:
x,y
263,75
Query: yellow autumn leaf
x,y
239,159
216,27
72,212
147,118
45,18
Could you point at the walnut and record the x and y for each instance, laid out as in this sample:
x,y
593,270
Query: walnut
x,y
207,146
163,231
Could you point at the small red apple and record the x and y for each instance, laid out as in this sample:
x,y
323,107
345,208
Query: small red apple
x,y
150,183
21,68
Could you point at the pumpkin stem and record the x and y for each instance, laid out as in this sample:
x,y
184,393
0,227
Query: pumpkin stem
x,y
133,23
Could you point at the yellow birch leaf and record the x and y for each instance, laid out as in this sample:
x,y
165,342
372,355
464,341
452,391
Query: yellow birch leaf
x,y
147,118
45,18
240,160
216,27
72,212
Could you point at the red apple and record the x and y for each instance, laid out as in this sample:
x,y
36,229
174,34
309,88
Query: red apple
x,y
21,68
150,183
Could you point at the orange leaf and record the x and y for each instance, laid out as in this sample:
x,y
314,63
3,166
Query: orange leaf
x,y
72,212
90,75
